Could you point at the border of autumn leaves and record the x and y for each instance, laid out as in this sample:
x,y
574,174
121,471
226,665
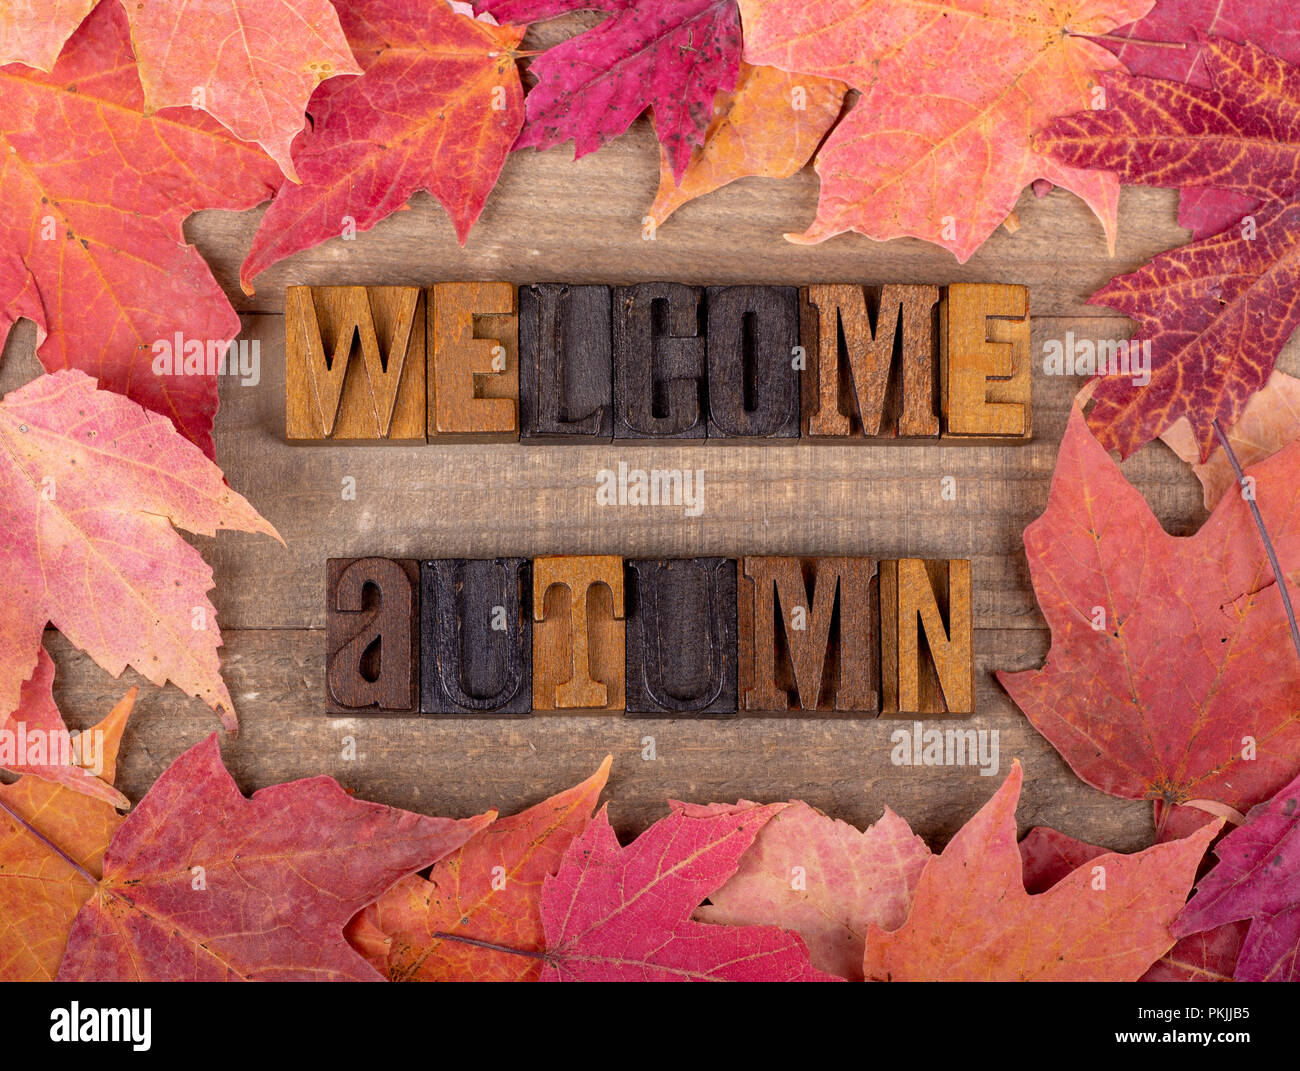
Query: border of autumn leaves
x,y
1095,141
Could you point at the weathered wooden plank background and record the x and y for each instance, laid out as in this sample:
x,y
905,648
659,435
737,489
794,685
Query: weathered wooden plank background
x,y
552,218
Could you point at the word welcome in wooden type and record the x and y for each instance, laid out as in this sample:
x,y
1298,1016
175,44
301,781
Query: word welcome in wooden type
x,y
554,362
656,637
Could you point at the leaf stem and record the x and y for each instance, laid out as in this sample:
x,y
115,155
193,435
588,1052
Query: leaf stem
x,y
485,944
49,843
1180,45
1263,535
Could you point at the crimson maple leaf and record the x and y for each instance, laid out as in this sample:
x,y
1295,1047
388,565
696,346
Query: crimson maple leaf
x,y
1217,312
672,56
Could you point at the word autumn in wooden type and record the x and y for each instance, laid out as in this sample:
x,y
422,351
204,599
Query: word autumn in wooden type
x,y
554,362
670,637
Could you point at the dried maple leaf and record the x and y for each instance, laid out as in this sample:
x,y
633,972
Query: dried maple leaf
x,y
251,64
38,723
1049,856
672,56
437,109
52,843
769,126
1171,674
90,486
1270,420
203,884
91,246
938,147
486,892
624,914
1217,312
972,919
826,881
1145,49
1257,878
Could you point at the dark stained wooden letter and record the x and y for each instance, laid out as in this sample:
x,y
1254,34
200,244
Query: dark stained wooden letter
x,y
659,362
753,384
681,636
566,364
477,651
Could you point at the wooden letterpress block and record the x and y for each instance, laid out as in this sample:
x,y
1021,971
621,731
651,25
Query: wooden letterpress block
x,y
850,387
681,636
476,655
354,363
934,675
473,363
659,362
753,383
986,369
566,363
372,636
821,655
578,633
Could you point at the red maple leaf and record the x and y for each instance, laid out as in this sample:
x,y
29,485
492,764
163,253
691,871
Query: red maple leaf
x,y
202,884
624,914
1217,312
671,55
437,108
91,246
1167,44
1171,674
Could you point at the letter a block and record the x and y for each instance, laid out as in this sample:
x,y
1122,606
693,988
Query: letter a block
x,y
372,618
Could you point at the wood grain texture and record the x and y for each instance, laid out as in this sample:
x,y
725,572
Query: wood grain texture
x,y
926,659
554,218
808,638
681,637
566,364
985,370
473,350
355,363
579,633
372,635
870,371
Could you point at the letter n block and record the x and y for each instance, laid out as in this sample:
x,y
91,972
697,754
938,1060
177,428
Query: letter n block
x,y
372,616
807,635
476,657
927,663
681,637
579,633
354,363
